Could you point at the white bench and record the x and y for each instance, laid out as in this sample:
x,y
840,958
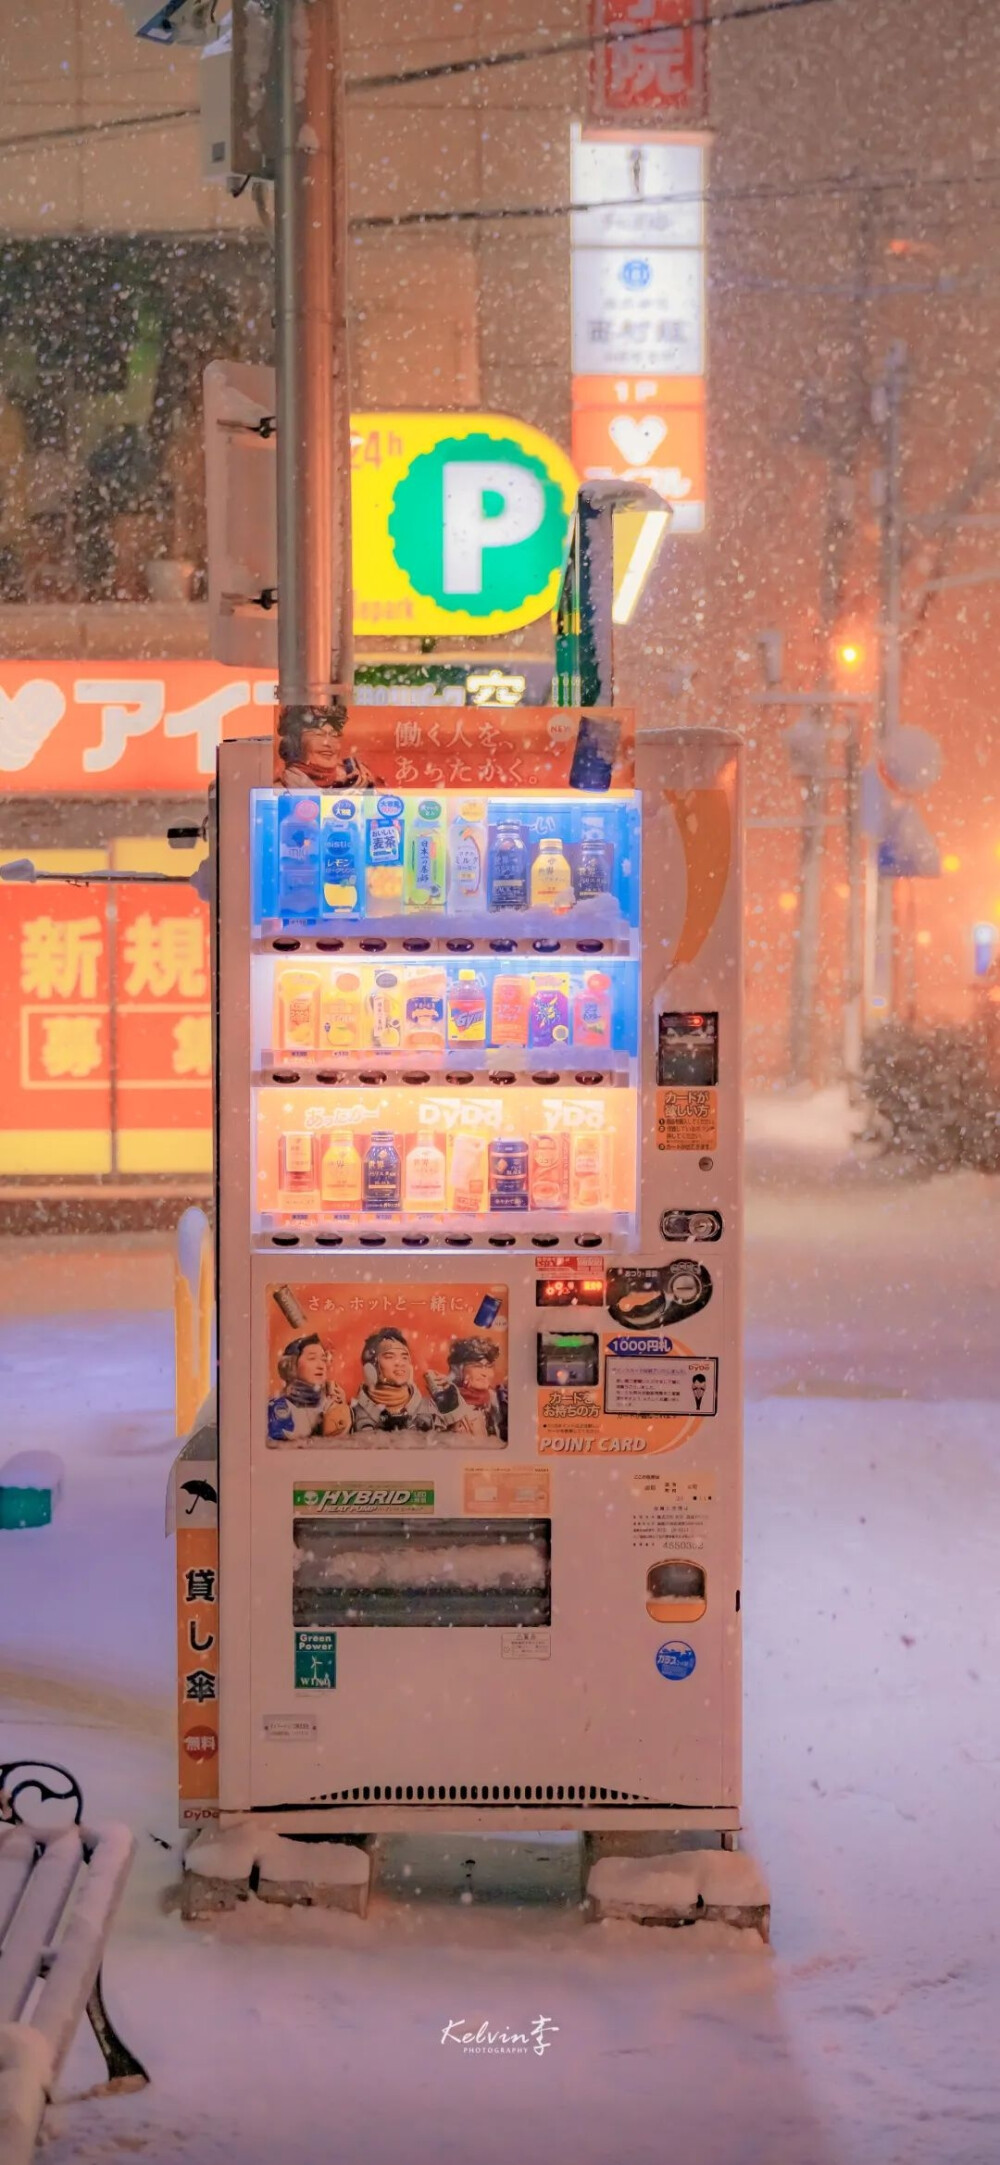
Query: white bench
x,y
59,1889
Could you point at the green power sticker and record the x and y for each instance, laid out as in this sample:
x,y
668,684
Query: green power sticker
x,y
379,1496
315,1660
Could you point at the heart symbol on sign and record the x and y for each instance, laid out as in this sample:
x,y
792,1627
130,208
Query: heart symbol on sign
x,y
27,717
637,440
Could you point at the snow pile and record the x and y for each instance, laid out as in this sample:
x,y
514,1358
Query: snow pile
x,y
315,1864
227,1856
682,1884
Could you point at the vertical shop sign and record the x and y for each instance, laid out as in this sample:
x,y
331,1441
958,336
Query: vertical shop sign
x,y
638,277
649,58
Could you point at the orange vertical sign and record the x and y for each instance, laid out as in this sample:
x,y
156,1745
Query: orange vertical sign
x,y
55,1066
164,1025
197,1668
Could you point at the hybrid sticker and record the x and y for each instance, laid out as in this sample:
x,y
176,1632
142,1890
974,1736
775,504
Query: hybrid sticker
x,y
675,1660
378,1496
315,1660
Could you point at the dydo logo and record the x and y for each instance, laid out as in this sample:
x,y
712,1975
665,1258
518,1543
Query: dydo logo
x,y
478,524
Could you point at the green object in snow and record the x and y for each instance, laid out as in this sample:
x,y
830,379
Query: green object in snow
x,y
25,1507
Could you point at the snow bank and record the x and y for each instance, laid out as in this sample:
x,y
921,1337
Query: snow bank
x,y
25,2075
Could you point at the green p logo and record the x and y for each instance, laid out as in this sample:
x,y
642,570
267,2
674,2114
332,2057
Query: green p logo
x,y
478,524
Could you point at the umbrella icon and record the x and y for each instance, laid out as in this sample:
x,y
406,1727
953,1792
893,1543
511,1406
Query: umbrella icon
x,y
199,1492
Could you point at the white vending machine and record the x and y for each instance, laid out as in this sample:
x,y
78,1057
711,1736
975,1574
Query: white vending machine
x,y
479,1165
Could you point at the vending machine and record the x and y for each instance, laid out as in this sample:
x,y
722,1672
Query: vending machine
x,y
479,1275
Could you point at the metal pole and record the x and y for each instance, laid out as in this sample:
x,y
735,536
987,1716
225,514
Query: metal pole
x,y
313,402
854,991
888,412
805,956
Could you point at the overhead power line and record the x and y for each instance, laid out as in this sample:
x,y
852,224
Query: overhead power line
x,y
824,185
442,70
587,41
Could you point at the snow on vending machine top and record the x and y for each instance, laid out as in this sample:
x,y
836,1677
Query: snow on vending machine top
x,y
479,1276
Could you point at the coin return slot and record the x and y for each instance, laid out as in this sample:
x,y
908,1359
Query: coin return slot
x,y
675,1591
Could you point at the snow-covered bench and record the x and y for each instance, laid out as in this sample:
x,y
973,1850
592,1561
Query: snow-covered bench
x,y
59,1889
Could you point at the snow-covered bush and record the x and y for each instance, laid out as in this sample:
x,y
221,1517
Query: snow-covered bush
x,y
936,1097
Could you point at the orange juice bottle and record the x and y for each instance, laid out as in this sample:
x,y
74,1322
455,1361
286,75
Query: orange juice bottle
x,y
342,1013
296,1010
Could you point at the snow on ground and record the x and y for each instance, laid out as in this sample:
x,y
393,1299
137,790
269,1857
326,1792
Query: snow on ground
x,y
866,2034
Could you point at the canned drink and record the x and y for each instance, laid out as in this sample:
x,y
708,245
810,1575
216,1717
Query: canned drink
x,y
508,1174
548,1179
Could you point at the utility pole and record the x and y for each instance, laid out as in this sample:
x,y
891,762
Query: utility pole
x,y
887,406
315,663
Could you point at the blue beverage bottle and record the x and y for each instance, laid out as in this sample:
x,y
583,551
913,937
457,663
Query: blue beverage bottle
x,y
341,852
507,866
298,857
381,1180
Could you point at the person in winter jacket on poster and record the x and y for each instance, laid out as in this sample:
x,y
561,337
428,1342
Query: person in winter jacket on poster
x,y
468,1400
389,1399
311,1404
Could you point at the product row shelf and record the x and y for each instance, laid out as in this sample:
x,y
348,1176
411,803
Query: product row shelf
x,y
566,859
384,1155
463,1010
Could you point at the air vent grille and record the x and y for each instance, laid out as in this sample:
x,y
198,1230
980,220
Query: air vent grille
x,y
551,1794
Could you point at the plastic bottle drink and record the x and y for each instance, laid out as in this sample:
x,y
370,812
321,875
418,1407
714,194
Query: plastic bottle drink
x,y
385,1011
595,859
296,1010
384,855
551,877
467,1009
297,1167
381,1183
424,1177
340,1173
592,1012
509,1174
342,1013
507,878
341,855
509,1009
467,857
298,858
425,857
548,1171
424,1010
467,1175
588,1180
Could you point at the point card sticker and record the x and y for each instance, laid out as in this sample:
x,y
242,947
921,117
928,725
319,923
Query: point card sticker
x,y
687,1120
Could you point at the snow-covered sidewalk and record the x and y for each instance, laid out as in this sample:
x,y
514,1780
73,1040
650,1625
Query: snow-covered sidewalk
x,y
865,2034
